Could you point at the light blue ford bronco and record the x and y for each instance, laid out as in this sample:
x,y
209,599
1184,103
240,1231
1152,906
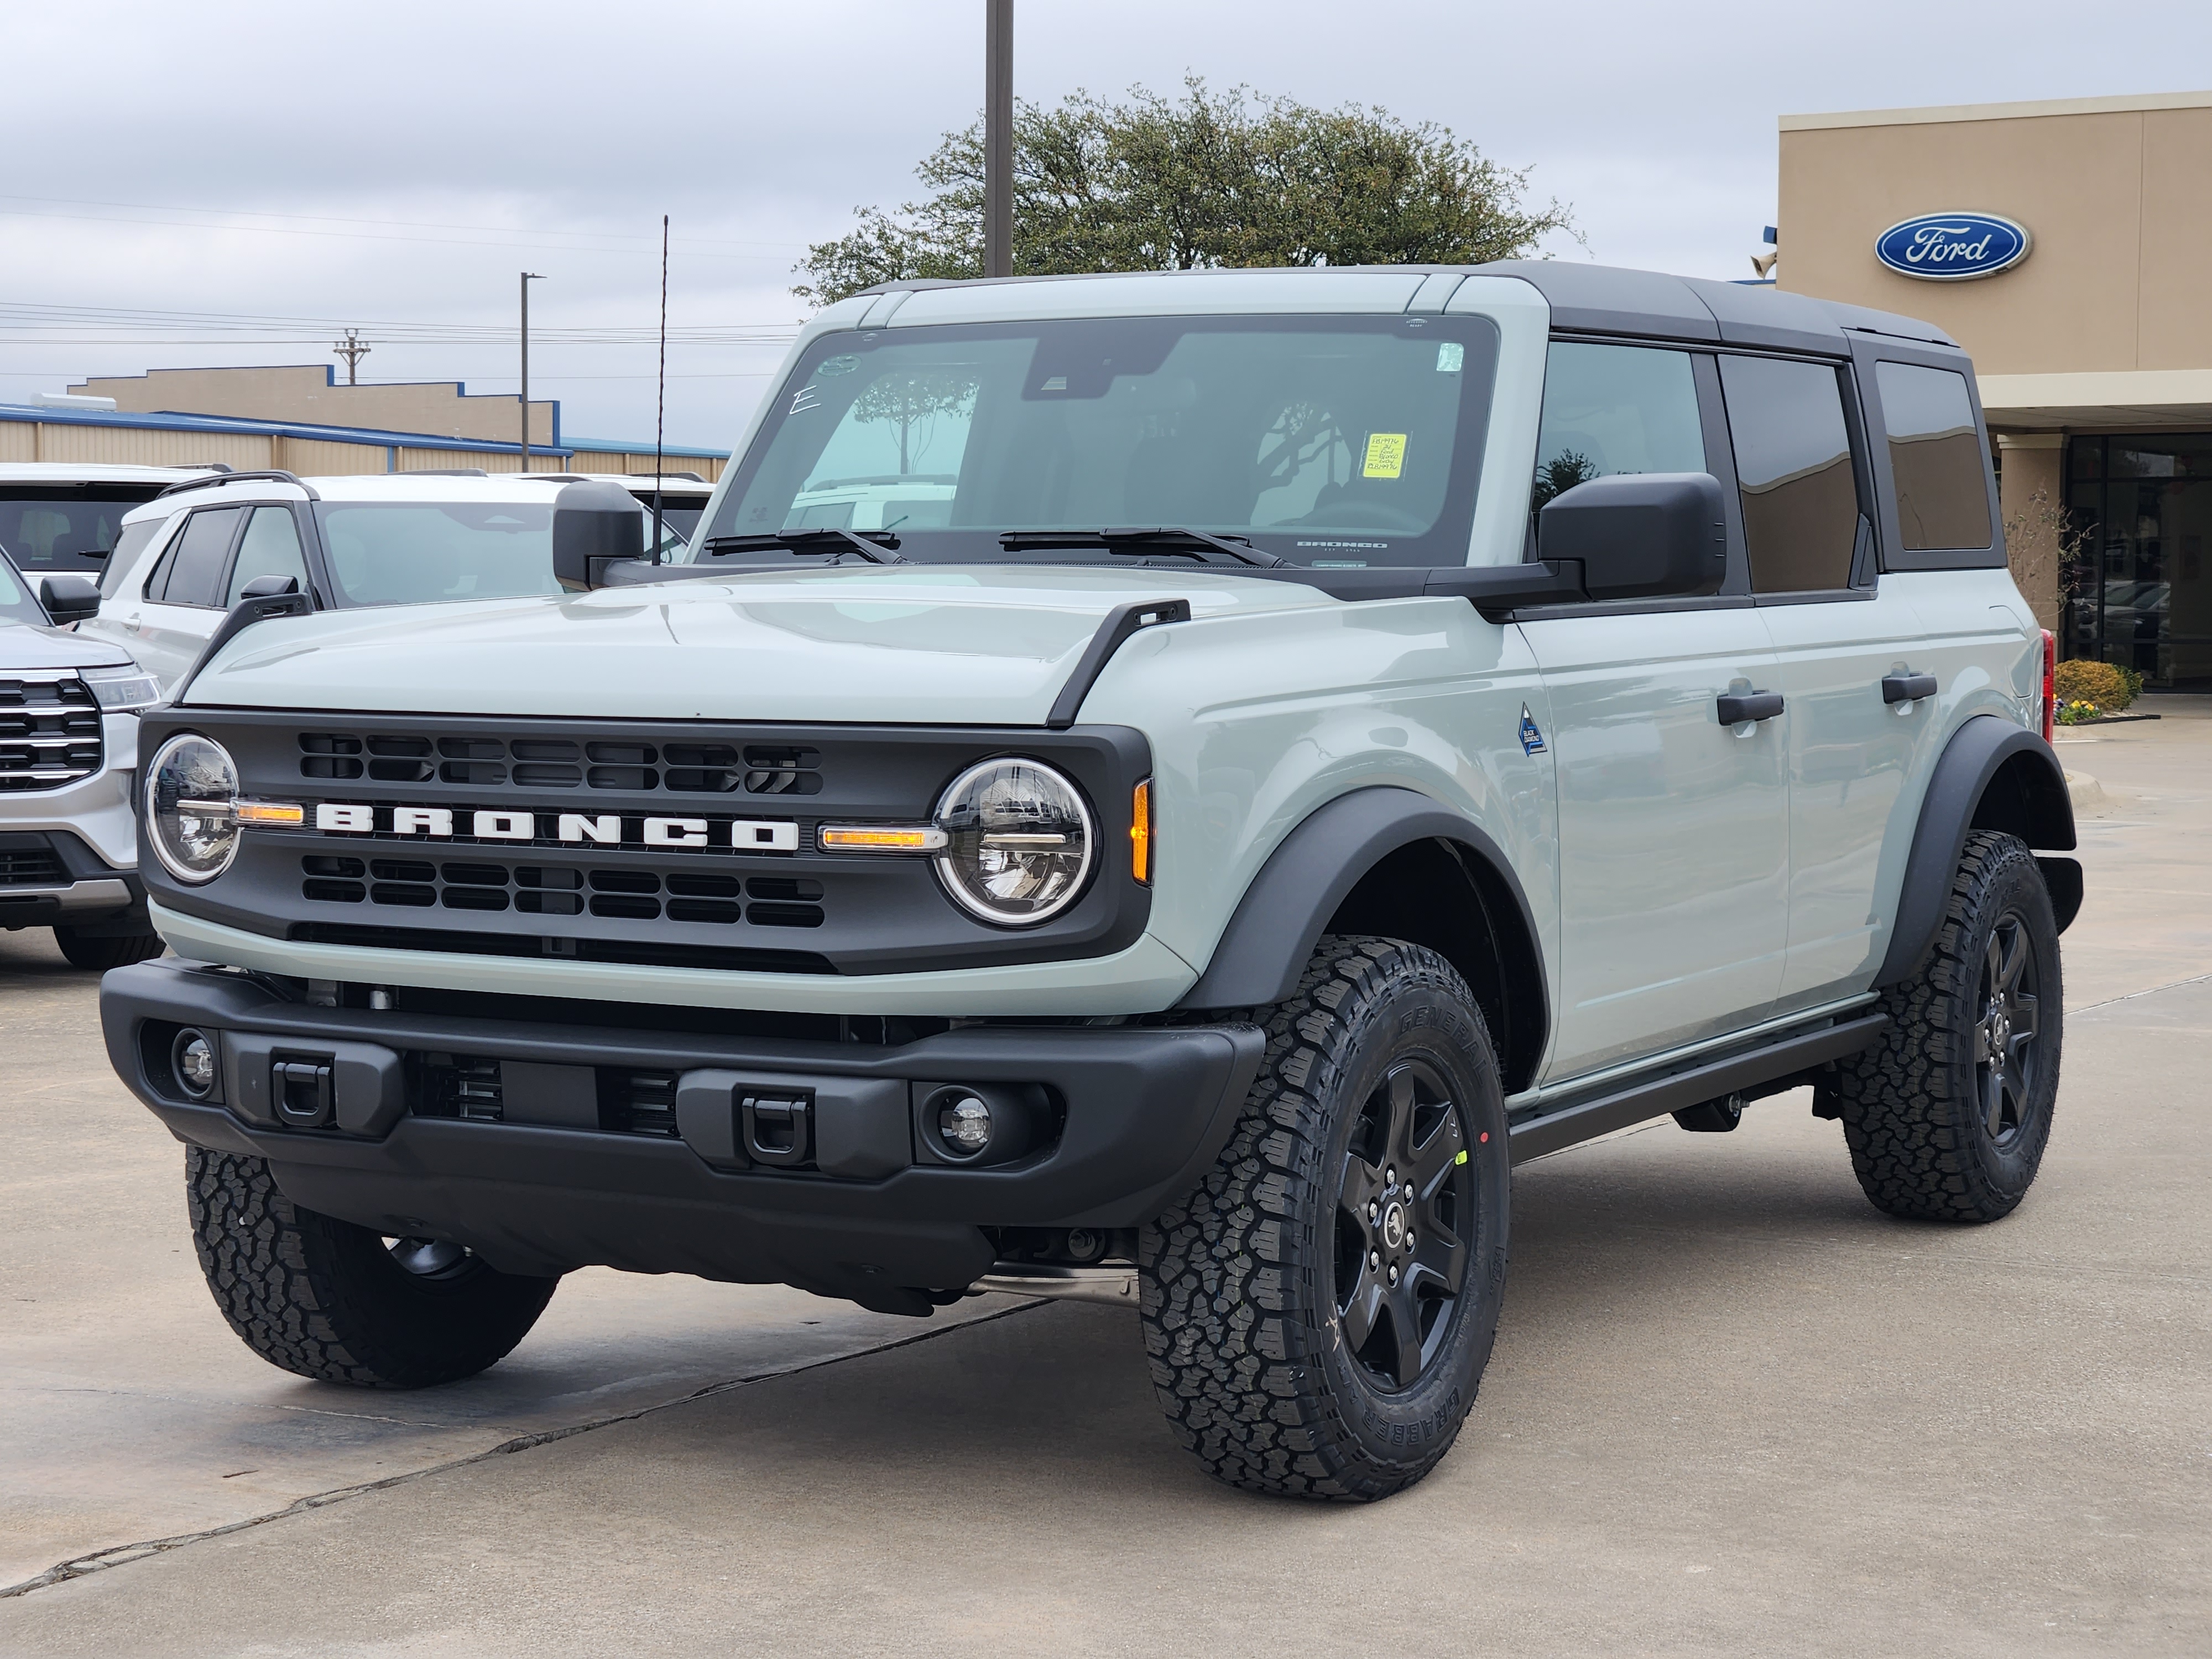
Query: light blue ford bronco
x,y
1154,788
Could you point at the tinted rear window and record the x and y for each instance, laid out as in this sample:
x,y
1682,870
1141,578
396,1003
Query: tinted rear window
x,y
62,526
1793,462
1936,458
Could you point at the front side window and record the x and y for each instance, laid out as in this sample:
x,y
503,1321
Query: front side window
x,y
192,574
1936,457
1793,463
1326,440
1612,408
270,547
417,553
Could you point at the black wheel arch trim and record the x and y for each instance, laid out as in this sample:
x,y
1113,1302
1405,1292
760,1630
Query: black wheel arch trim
x,y
1991,775
1306,879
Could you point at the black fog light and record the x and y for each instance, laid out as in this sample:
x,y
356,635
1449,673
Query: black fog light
x,y
964,1124
194,1058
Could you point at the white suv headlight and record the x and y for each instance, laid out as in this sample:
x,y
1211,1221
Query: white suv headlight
x,y
119,689
1019,840
191,807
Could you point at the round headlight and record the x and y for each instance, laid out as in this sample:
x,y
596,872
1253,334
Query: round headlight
x,y
191,794
1021,841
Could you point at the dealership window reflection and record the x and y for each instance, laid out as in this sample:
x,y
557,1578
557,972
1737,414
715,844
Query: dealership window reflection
x,y
2135,588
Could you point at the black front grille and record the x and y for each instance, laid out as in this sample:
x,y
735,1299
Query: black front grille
x,y
563,890
31,867
683,766
48,733
637,1102
472,1088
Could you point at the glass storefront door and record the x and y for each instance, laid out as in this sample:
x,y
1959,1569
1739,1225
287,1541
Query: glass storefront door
x,y
2138,591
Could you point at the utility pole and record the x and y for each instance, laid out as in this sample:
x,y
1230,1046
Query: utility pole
x,y
353,351
528,277
998,137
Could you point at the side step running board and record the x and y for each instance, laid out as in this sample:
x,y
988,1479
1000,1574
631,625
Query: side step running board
x,y
1639,1102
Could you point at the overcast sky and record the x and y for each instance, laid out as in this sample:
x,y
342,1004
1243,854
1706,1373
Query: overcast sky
x,y
394,165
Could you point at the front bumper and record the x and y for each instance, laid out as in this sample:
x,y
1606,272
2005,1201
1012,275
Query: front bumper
x,y
570,1174
51,878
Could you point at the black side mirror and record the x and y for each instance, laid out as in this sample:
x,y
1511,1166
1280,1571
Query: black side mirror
x,y
71,599
269,587
594,526
1640,535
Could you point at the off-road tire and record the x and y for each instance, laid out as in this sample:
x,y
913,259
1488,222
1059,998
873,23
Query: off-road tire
x,y
330,1301
1912,1106
1239,1281
84,951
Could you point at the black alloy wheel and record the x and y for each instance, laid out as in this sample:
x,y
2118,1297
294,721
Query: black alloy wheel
x,y
2005,1048
1947,1114
1319,1310
1402,1196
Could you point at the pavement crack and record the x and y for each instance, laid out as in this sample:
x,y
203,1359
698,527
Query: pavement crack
x,y
2175,984
122,1554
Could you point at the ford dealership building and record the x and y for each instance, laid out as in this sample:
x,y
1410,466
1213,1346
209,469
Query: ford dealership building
x,y
2068,246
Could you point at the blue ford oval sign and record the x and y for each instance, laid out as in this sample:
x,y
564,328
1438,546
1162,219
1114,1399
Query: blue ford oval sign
x,y
1951,247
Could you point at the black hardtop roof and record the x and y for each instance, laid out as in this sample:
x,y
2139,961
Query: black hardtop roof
x,y
1614,299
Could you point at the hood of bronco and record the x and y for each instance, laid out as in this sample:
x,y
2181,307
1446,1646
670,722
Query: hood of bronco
x,y
966,645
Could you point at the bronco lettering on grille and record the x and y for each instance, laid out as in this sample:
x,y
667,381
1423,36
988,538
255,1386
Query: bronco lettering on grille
x,y
602,828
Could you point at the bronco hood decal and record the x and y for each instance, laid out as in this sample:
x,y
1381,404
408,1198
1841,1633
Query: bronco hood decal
x,y
990,645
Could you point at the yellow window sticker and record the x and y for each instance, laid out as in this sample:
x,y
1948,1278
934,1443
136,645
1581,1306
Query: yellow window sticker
x,y
1386,455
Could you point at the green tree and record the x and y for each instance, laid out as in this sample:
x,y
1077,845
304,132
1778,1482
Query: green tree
x,y
1227,179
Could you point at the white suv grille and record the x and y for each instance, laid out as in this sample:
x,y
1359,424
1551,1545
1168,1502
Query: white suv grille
x,y
49,732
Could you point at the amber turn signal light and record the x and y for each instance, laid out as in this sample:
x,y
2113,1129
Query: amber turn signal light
x,y
1140,833
883,838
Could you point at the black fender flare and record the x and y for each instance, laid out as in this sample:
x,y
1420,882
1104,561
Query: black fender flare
x,y
1992,775
1273,932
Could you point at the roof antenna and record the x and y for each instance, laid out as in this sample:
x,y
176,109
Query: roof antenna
x,y
661,400
353,351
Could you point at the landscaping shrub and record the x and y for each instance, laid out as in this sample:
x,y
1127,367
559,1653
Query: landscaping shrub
x,y
2099,683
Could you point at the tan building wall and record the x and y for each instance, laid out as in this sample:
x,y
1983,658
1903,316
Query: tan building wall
x,y
306,394
39,441
2105,327
2116,192
61,440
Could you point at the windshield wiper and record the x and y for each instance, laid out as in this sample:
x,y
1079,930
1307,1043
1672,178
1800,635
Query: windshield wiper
x,y
1138,543
877,547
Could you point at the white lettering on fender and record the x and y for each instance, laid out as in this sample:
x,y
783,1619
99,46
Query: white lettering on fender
x,y
605,829
749,835
421,821
357,820
505,826
675,832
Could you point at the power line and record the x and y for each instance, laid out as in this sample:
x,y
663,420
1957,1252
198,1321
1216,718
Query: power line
x,y
366,236
404,224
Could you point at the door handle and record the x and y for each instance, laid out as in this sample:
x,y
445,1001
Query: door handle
x,y
133,622
1737,708
1907,688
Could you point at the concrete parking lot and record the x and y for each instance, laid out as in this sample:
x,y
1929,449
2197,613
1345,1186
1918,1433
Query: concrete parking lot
x,y
1732,1409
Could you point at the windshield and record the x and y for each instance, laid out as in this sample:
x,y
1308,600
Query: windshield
x,y
1333,441
64,526
417,553
16,604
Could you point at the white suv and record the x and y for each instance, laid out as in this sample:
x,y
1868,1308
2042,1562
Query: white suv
x,y
383,539
69,745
